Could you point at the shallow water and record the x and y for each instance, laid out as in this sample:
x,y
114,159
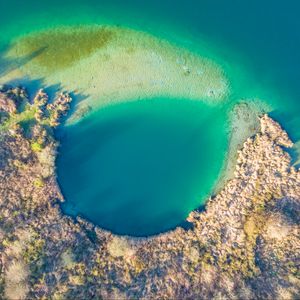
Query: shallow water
x,y
140,168
256,44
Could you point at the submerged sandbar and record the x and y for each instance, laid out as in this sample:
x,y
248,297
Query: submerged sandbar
x,y
109,64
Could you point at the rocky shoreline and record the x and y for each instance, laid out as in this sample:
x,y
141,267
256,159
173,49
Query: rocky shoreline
x,y
245,245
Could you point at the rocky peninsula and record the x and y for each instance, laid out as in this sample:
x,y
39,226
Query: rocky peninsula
x,y
244,245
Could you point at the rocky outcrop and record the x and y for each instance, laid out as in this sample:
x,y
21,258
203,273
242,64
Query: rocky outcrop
x,y
245,245
59,108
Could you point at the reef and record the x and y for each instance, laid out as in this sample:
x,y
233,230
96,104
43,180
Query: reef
x,y
244,245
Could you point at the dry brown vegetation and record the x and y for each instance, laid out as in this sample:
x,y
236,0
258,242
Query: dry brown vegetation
x,y
245,245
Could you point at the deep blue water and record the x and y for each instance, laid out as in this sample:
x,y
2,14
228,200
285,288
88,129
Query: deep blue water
x,y
139,168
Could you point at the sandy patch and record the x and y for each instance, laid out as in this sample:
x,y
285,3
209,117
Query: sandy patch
x,y
126,65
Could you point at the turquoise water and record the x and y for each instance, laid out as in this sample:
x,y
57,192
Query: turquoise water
x,y
257,44
139,168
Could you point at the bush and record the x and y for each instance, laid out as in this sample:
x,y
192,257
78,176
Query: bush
x,y
16,291
16,286
119,247
36,147
39,182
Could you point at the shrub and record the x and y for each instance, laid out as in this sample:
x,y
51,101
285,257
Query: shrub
x,y
16,272
36,147
119,247
16,291
16,286
47,159
39,182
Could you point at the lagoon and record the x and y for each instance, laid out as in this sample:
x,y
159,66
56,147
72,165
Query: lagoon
x,y
139,168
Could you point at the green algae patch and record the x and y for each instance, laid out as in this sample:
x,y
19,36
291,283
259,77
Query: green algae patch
x,y
58,49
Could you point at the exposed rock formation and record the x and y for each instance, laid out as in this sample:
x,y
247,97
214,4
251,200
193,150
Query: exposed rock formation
x,y
245,245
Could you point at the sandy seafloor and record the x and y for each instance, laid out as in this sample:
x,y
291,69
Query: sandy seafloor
x,y
126,65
